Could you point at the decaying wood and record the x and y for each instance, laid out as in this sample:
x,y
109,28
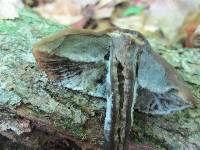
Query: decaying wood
x,y
32,133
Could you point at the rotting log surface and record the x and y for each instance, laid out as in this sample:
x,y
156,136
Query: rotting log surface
x,y
37,113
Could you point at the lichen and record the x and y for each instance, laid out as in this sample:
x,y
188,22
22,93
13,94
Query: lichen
x,y
78,131
26,88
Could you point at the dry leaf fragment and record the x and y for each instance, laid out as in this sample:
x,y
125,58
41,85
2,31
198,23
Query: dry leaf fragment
x,y
169,15
62,11
131,22
9,8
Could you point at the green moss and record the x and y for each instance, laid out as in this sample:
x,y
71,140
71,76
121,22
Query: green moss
x,y
196,91
29,20
141,133
67,125
74,129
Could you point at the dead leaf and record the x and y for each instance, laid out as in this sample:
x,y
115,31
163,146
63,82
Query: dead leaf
x,y
9,8
169,15
196,38
77,12
84,3
62,11
105,8
131,22
189,29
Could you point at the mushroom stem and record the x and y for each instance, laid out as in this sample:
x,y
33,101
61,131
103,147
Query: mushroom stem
x,y
121,81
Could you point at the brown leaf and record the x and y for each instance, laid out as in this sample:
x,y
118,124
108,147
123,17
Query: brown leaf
x,y
169,15
62,11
